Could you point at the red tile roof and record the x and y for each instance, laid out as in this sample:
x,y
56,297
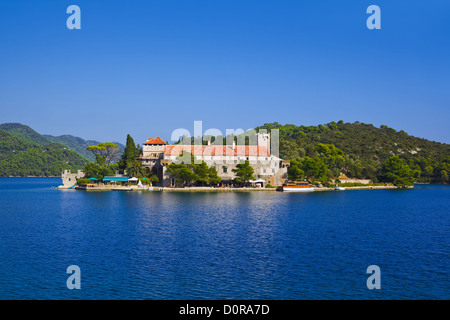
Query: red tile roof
x,y
157,140
176,150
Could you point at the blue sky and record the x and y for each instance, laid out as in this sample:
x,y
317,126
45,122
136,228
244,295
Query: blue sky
x,y
149,67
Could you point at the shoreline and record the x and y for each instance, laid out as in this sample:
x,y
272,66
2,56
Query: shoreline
x,y
212,189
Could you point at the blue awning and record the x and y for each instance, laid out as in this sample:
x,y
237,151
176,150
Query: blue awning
x,y
115,179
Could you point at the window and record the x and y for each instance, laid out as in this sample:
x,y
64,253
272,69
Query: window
x,y
224,169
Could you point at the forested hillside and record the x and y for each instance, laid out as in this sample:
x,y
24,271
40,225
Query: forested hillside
x,y
20,157
359,150
24,132
76,144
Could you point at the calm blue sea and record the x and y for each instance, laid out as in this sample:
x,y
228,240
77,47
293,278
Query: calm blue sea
x,y
167,245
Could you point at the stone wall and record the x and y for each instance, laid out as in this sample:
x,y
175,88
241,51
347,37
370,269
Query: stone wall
x,y
69,179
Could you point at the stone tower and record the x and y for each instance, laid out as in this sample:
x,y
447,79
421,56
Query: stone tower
x,y
263,140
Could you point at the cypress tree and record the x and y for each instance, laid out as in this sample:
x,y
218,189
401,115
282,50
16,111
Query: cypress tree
x,y
129,155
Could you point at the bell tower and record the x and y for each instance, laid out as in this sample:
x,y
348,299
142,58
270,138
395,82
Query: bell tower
x,y
263,140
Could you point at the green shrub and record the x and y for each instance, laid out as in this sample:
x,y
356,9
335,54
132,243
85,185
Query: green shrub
x,y
269,185
359,184
83,181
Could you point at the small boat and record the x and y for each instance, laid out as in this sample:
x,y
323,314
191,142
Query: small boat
x,y
339,188
298,187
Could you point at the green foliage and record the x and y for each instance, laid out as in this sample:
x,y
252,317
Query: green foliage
x,y
74,143
135,169
201,172
152,178
395,170
104,152
269,186
358,150
295,172
19,157
186,172
213,176
129,155
358,184
95,170
25,132
83,181
315,169
244,172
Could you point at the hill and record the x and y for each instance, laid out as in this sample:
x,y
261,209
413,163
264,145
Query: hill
x,y
25,132
76,144
79,145
364,149
20,157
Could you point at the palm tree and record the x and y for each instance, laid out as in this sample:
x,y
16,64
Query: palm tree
x,y
136,170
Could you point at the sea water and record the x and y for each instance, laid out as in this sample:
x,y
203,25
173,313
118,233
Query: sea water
x,y
222,245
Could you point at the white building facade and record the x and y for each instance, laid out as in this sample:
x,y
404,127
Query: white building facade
x,y
157,154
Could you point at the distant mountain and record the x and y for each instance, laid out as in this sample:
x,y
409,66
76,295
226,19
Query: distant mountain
x,y
76,144
20,157
79,145
25,132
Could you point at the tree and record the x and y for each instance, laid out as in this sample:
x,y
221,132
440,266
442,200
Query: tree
x,y
95,170
152,178
130,153
315,169
187,175
202,172
333,157
295,172
181,172
186,171
213,176
175,171
395,170
135,169
244,172
104,152
443,177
